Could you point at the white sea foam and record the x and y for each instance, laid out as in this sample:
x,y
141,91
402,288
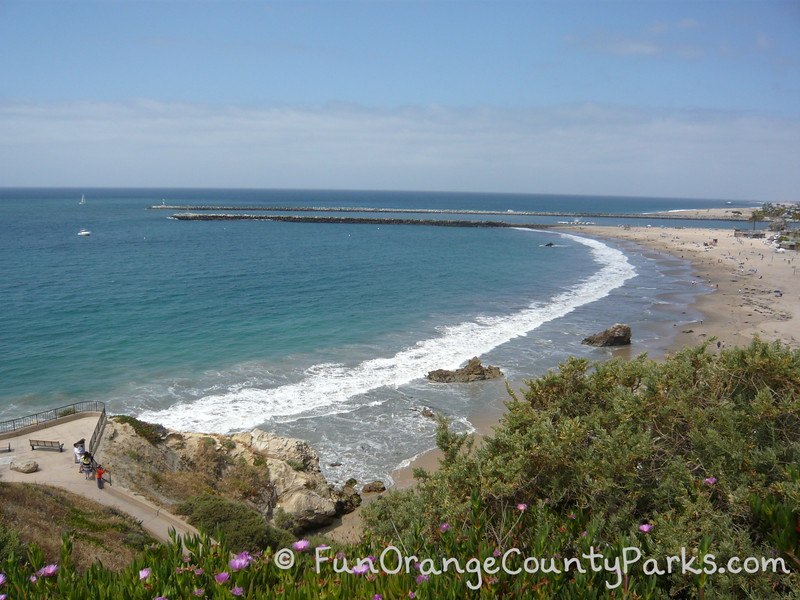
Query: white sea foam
x,y
330,385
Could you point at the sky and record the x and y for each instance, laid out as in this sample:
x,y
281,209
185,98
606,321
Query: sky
x,y
646,98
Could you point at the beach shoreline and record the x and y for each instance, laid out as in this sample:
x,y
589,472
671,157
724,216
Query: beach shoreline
x,y
754,288
737,279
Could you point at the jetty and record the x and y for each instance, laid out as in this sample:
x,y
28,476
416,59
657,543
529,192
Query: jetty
x,y
352,220
230,209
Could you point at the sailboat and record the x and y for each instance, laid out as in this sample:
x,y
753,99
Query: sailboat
x,y
84,232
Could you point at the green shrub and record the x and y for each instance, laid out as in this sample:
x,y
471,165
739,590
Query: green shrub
x,y
233,522
152,432
297,465
246,482
285,521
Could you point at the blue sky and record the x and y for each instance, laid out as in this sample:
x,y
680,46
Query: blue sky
x,y
689,99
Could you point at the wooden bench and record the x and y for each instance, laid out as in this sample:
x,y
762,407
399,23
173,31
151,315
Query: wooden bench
x,y
7,448
46,444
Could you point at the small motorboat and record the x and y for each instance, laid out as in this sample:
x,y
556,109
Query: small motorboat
x,y
84,233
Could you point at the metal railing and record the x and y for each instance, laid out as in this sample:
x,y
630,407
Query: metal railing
x,y
98,431
55,413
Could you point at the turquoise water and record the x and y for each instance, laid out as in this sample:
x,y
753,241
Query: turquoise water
x,y
320,331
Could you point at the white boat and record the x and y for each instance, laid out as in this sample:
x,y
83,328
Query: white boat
x,y
83,199
84,232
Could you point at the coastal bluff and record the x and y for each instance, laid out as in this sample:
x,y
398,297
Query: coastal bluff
x,y
269,473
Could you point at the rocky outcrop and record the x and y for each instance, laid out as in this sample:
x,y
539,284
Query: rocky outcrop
x,y
348,499
266,471
300,488
24,466
616,335
373,487
474,371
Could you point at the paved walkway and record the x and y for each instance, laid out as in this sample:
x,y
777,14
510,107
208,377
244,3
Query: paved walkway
x,y
59,469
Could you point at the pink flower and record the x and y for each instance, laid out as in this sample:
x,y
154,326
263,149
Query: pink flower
x,y
3,597
237,591
522,507
710,480
199,592
645,528
584,533
198,571
3,579
239,562
444,527
47,571
360,568
33,578
145,573
301,545
496,552
222,577
571,516
422,578
377,597
411,595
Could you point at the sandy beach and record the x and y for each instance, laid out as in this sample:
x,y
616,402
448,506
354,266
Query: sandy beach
x,y
742,275
709,213
755,290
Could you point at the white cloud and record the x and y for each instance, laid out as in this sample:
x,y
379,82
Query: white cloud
x,y
660,39
577,149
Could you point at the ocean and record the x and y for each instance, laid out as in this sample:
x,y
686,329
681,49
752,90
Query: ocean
x,y
317,331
